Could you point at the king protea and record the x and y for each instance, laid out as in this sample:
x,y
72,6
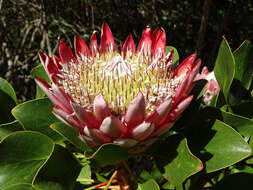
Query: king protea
x,y
128,97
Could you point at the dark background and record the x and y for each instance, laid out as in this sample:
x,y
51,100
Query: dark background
x,y
29,25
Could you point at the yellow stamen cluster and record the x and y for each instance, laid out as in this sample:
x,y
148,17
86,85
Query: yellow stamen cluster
x,y
119,80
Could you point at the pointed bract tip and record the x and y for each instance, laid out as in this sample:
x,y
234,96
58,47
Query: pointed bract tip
x,y
145,42
128,45
197,65
186,65
148,27
140,94
143,131
105,24
41,53
100,108
160,113
158,42
84,116
42,56
81,47
61,41
111,126
93,35
136,111
107,39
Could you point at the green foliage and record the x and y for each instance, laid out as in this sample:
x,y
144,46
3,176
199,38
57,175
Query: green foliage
x,y
71,135
224,69
226,147
61,169
8,100
243,64
7,128
243,125
22,156
40,72
35,115
7,88
149,185
85,175
177,160
109,154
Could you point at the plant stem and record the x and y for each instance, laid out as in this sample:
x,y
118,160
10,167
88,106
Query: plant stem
x,y
101,185
123,176
110,181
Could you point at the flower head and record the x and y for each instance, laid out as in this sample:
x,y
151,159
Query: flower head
x,y
128,97
212,87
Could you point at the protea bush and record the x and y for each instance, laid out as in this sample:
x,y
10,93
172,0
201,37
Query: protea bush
x,y
128,97
119,99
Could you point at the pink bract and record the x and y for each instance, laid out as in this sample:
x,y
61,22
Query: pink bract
x,y
128,97
212,87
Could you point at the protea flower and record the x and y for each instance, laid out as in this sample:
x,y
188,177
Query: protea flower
x,y
212,88
128,97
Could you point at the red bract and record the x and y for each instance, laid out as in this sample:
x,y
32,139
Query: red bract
x,y
128,98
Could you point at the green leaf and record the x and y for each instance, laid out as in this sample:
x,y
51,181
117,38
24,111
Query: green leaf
x,y
242,124
71,135
149,185
61,168
154,174
20,186
45,185
176,55
39,93
251,145
8,89
85,176
244,109
145,175
110,154
40,72
176,160
242,168
22,154
226,147
100,178
35,115
168,185
7,128
250,161
243,63
8,100
224,69
237,93
215,100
